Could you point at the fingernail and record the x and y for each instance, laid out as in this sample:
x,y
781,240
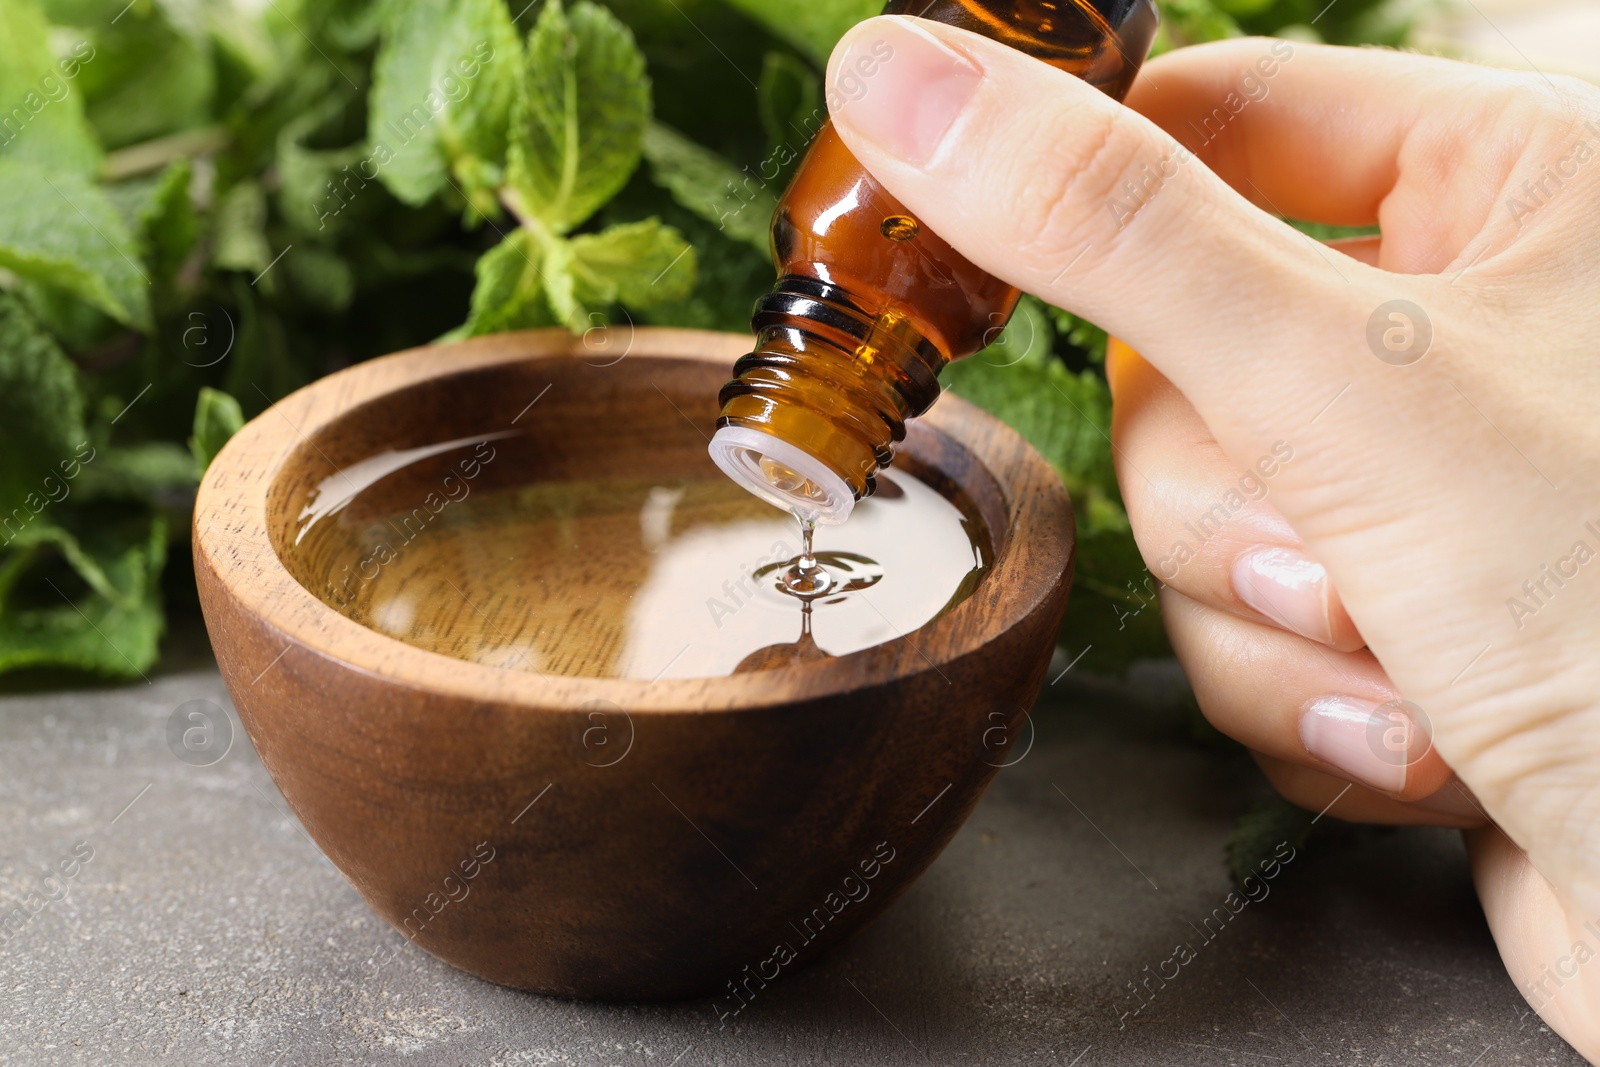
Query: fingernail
x,y
1288,587
1372,744
901,88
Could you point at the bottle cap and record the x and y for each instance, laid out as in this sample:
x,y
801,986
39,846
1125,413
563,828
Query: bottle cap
x,y
782,474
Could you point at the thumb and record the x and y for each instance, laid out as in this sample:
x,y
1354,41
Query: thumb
x,y
1049,184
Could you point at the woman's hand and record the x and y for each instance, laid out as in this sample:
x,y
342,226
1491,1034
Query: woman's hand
x,y
1368,476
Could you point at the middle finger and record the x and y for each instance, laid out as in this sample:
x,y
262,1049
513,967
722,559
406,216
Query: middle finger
x,y
1205,527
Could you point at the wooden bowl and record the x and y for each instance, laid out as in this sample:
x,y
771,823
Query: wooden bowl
x,y
756,820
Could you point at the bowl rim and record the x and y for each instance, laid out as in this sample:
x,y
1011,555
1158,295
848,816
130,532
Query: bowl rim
x,y
232,540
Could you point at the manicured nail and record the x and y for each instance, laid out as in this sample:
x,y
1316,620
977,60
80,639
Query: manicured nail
x,y
901,88
1288,587
1370,743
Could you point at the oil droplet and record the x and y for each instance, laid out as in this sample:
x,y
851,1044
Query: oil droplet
x,y
900,227
829,579
806,577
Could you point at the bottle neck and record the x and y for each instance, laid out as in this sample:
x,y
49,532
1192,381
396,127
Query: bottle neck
x,y
833,378
814,412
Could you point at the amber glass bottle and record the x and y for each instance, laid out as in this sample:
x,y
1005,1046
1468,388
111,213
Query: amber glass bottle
x,y
870,305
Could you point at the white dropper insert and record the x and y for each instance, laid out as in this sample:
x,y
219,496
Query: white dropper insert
x,y
782,474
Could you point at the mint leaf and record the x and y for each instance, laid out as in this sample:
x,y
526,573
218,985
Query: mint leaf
x,y
1081,334
41,418
158,211
152,74
509,293
741,204
640,264
239,231
169,228
147,472
1238,8
317,185
91,569
58,229
1066,416
43,119
113,628
1114,615
560,287
813,26
1027,338
1192,22
322,279
729,275
581,112
82,12
355,24
266,361
1319,231
790,100
442,89
217,417
77,325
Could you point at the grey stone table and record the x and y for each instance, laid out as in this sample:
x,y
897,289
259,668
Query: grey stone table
x,y
204,927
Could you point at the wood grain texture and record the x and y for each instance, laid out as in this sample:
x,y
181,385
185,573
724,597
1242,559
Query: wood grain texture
x,y
742,804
